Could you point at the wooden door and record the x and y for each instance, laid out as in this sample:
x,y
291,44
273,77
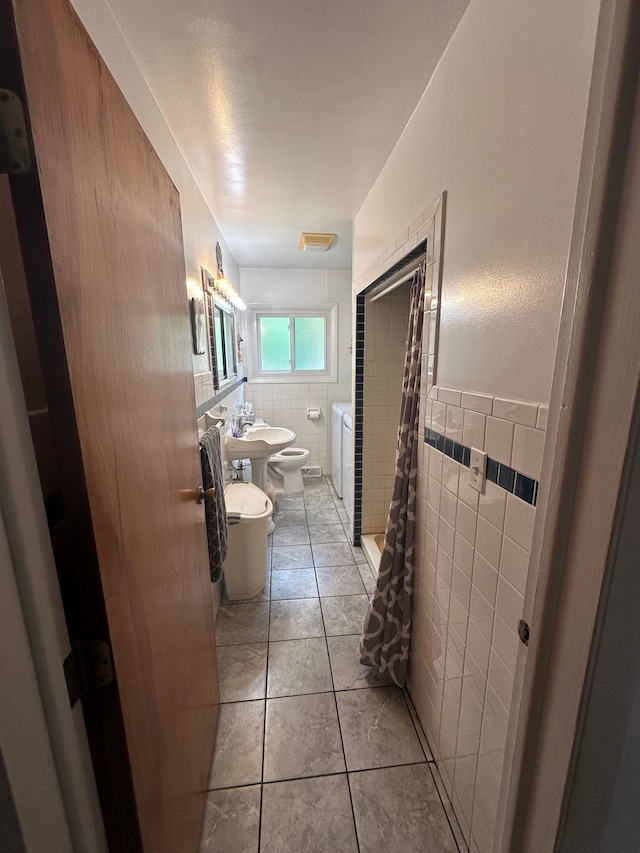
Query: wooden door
x,y
99,226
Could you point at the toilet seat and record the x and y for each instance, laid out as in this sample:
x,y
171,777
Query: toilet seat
x,y
289,453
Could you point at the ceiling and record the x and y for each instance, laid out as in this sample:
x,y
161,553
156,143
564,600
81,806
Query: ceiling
x,y
286,111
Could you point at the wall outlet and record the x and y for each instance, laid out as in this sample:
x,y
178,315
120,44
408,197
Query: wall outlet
x,y
477,469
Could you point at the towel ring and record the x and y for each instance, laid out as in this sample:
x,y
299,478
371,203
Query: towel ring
x,y
209,495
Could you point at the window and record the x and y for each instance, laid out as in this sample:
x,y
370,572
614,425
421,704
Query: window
x,y
293,344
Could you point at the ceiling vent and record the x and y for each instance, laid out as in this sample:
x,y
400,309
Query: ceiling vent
x,y
316,242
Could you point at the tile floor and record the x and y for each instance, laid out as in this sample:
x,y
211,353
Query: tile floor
x,y
313,754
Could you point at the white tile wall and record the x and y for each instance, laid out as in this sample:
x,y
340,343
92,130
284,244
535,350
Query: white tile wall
x,y
482,403
499,440
454,423
527,451
514,564
492,504
203,383
516,411
471,572
386,322
543,417
474,429
489,542
466,522
439,416
471,569
450,396
519,520
286,405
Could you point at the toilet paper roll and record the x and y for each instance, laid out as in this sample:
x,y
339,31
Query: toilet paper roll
x,y
313,414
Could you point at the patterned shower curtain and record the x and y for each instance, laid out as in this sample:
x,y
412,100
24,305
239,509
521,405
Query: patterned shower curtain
x,y
385,639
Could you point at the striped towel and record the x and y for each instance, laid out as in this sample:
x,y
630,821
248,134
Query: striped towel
x,y
215,511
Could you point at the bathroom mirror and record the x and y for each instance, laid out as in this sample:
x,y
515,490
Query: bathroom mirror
x,y
221,325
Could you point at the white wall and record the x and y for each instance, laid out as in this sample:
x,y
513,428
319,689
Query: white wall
x,y
301,287
286,404
500,128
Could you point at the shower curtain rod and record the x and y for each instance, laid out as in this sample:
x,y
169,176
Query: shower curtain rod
x,y
403,274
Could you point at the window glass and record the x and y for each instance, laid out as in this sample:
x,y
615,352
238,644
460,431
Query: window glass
x,y
293,343
309,343
275,344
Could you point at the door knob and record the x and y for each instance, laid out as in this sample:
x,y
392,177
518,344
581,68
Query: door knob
x,y
207,495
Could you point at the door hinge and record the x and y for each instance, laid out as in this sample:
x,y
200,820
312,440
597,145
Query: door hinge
x,y
524,631
15,152
88,665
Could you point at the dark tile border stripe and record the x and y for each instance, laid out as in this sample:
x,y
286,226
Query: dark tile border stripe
x,y
358,417
219,397
502,475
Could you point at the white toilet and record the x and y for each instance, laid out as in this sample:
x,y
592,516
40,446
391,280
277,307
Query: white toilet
x,y
287,465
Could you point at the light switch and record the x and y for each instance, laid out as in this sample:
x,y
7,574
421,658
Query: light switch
x,y
477,469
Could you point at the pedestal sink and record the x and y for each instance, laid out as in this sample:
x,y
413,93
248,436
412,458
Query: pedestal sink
x,y
257,444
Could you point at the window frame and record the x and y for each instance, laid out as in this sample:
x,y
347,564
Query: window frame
x,y
327,310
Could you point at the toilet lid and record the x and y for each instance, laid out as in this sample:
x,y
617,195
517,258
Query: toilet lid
x,y
246,500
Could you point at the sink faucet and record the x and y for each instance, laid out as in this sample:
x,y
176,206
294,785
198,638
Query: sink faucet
x,y
244,421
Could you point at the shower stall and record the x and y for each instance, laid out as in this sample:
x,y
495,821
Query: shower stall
x,y
381,345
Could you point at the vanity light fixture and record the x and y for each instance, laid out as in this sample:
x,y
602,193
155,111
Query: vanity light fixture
x,y
227,292
223,288
316,242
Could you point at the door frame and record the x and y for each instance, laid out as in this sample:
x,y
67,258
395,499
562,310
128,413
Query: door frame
x,y
602,795
590,421
42,739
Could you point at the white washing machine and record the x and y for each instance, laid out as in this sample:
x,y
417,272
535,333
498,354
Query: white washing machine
x,y
347,464
337,413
